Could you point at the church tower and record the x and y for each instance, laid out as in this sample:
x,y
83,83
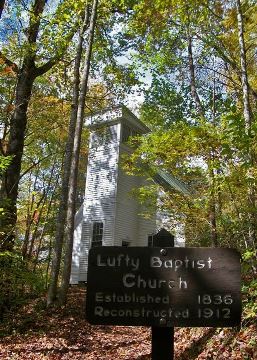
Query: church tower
x,y
109,215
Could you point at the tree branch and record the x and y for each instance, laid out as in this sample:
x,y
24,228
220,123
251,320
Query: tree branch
x,y
219,73
41,70
34,165
33,29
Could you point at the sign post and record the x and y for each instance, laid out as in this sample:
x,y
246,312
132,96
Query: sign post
x,y
163,287
163,337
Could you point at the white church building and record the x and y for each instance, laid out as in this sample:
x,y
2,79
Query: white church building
x,y
110,215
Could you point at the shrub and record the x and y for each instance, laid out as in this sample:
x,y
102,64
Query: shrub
x,y
16,282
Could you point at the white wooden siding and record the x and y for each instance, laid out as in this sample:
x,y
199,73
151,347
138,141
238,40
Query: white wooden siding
x,y
84,248
100,192
76,254
146,227
108,191
130,225
76,246
126,227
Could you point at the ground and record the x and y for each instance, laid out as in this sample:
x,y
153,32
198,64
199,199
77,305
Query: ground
x,y
35,332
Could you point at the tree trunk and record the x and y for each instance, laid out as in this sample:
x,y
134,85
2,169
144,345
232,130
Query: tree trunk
x,y
194,92
15,149
26,76
212,213
248,125
213,198
43,201
42,232
61,217
18,123
75,161
200,111
28,223
244,76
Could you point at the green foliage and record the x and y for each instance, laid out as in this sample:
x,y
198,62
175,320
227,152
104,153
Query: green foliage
x,y
16,281
147,197
57,27
249,260
4,163
208,151
249,288
163,105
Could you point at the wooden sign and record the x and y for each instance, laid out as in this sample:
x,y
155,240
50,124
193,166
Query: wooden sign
x,y
164,286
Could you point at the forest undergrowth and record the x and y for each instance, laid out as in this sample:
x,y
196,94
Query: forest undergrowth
x,y
35,332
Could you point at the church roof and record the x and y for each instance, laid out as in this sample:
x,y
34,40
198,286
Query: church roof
x,y
168,181
113,115
122,114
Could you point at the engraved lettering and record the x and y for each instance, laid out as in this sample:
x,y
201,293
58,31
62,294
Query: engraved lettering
x,y
118,261
177,264
182,284
99,310
156,261
127,282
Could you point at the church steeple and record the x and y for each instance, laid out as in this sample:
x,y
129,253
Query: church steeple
x,y
110,215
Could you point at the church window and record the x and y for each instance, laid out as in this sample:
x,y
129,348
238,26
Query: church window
x,y
97,236
150,241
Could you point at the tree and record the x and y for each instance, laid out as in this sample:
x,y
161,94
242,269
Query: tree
x,y
27,73
248,124
105,47
75,159
203,36
62,212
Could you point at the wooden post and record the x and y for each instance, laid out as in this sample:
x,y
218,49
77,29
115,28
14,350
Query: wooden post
x,y
163,337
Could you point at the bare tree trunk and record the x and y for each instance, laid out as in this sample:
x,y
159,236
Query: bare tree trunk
x,y
244,76
194,92
43,200
34,234
28,224
212,211
75,161
213,198
42,232
48,263
200,111
61,218
248,124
